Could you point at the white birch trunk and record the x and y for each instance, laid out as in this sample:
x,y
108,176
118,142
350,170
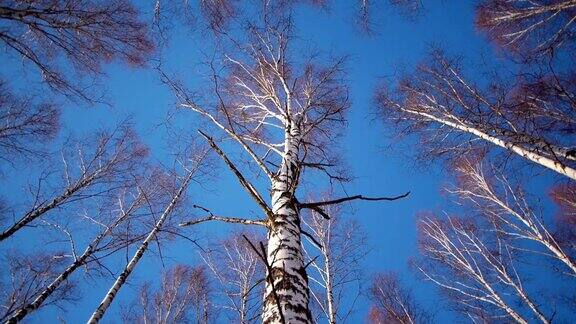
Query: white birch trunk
x,y
101,310
24,311
37,212
533,156
329,287
80,261
289,278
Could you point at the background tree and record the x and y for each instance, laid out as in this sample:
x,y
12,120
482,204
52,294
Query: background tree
x,y
476,269
25,278
83,34
534,120
184,296
239,273
97,165
174,188
524,108
529,28
392,303
335,249
24,124
564,195
118,230
508,206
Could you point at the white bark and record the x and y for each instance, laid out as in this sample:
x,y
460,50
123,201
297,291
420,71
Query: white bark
x,y
329,286
533,156
78,262
464,253
511,210
285,257
101,310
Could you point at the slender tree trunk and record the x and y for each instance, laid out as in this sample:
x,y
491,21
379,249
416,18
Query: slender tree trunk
x,y
329,288
557,251
532,155
101,310
243,306
24,311
37,212
289,278
531,304
80,261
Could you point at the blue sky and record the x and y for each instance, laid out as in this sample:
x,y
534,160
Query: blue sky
x,y
378,164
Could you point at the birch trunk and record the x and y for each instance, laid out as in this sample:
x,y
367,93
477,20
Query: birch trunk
x,y
288,275
532,155
37,212
502,304
99,312
37,303
80,261
329,286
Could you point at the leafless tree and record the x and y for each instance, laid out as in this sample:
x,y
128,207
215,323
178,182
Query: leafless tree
x,y
529,27
392,303
175,188
97,165
83,34
24,124
564,195
183,297
477,270
534,120
117,232
507,205
335,251
283,116
240,275
25,277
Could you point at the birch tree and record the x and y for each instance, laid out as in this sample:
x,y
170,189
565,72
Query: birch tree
x,y
478,272
62,38
334,254
24,124
240,275
183,297
116,233
393,303
507,205
95,166
175,189
284,117
564,195
534,120
529,27
25,278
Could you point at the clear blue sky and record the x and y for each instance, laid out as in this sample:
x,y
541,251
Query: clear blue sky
x,y
377,170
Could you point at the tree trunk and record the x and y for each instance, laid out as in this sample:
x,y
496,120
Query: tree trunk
x,y
329,286
24,311
532,155
99,312
37,212
289,280
80,261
